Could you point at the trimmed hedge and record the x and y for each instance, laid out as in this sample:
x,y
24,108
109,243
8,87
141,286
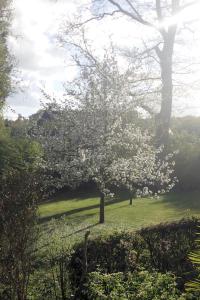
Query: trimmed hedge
x,y
119,252
164,247
169,246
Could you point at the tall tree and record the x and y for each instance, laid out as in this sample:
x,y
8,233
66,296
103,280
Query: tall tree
x,y
6,61
161,16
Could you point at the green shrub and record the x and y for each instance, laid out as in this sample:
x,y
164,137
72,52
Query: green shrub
x,y
164,247
120,252
134,286
42,286
169,246
50,279
19,193
194,285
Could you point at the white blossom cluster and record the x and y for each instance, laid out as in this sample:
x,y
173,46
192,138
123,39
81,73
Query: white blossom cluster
x,y
94,140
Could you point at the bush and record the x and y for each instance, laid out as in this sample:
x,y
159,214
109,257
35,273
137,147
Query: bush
x,y
19,193
50,277
164,247
170,244
119,252
42,286
134,286
194,256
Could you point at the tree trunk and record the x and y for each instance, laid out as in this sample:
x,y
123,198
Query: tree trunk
x,y
165,56
131,200
164,117
102,210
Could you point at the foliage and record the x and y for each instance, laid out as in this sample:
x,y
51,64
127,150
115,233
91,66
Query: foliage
x,y
140,285
41,286
118,252
164,247
6,61
17,153
89,138
56,132
18,127
169,245
50,278
188,125
186,139
195,259
19,193
57,257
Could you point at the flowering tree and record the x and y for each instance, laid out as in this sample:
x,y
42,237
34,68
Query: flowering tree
x,y
56,130
114,150
138,166
89,138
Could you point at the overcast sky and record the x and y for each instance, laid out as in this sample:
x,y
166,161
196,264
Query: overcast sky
x,y
42,63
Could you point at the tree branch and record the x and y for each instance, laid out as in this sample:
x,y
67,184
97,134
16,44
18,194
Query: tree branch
x,y
97,18
134,10
135,16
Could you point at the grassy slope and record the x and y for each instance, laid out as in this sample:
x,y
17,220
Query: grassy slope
x,y
84,210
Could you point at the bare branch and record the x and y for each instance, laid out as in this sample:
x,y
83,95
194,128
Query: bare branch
x,y
133,16
133,8
97,18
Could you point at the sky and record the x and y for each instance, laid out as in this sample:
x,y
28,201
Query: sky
x,y
41,63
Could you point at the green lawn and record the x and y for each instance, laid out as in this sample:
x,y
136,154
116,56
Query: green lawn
x,y
84,209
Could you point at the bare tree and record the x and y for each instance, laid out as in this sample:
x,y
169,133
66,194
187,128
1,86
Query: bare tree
x,y
161,16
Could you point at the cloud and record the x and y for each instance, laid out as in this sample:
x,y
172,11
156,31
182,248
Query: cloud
x,y
40,60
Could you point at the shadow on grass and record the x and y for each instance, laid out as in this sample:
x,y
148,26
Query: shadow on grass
x,y
77,195
70,196
83,229
71,221
77,210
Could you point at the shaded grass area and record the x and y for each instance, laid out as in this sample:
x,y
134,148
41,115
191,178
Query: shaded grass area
x,y
84,209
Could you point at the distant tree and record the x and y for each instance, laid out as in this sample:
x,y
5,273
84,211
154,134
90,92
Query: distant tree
x,y
55,129
8,153
20,154
18,127
186,139
188,125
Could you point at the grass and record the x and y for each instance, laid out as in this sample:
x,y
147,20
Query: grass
x,y
83,209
